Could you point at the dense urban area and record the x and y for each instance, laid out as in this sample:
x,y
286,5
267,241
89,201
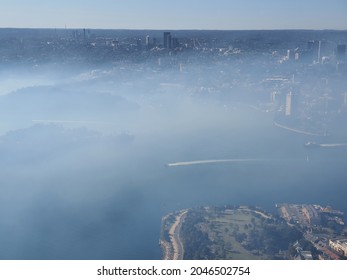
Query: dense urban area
x,y
300,232
104,132
297,75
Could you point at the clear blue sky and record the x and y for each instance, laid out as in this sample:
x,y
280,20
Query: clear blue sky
x,y
175,14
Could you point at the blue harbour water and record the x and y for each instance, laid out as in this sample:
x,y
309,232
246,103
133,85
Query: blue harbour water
x,y
111,207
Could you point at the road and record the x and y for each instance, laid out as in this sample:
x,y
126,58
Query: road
x,y
174,233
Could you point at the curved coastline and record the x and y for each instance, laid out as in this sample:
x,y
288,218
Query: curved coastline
x,y
296,130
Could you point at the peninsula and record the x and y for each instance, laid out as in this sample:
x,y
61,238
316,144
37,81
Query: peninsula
x,y
246,232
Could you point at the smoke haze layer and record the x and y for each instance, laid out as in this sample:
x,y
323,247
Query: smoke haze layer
x,y
102,138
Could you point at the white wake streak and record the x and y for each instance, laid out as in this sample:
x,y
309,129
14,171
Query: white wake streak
x,y
334,145
69,121
295,130
208,161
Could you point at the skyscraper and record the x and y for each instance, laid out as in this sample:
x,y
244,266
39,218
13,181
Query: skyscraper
x,y
167,40
147,43
291,104
319,52
314,50
288,110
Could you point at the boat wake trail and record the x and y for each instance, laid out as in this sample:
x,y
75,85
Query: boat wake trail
x,y
68,122
211,161
334,145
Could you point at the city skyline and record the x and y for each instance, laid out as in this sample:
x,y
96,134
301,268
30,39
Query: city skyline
x,y
155,14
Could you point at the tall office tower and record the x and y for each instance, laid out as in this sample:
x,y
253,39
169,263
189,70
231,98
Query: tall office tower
x,y
319,56
290,55
314,49
288,110
167,40
147,43
291,104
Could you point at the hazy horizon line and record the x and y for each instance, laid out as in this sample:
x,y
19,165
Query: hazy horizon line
x,y
172,29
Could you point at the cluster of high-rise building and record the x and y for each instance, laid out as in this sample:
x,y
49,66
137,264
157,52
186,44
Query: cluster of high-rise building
x,y
318,51
299,79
